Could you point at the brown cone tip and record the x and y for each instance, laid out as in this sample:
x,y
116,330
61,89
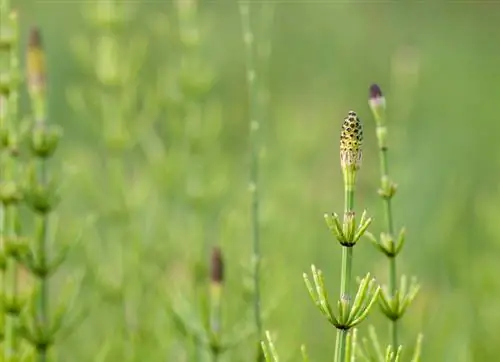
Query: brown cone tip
x,y
35,38
375,91
216,266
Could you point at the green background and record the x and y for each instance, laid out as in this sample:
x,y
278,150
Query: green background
x,y
437,63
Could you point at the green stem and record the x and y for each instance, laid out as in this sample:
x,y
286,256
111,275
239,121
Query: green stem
x,y
346,271
8,232
116,177
215,320
11,341
253,92
43,296
215,356
384,170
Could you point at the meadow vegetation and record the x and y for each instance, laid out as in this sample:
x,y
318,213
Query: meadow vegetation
x,y
167,168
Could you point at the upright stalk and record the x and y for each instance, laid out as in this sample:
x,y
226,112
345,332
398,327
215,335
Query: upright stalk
x,y
40,194
384,171
216,284
377,104
253,90
350,160
394,299
195,81
10,195
37,94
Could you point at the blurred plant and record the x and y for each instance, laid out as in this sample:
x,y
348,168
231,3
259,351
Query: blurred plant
x,y
195,134
269,349
256,51
10,191
370,349
42,323
216,282
394,301
254,165
350,311
117,96
204,325
198,129
271,353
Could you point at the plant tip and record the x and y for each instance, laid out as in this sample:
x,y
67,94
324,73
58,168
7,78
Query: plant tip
x,y
35,64
375,91
351,140
35,38
376,101
216,266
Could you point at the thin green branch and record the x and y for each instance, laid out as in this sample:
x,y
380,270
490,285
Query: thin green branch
x,y
377,104
253,93
389,226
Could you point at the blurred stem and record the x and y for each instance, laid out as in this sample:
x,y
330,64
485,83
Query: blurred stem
x,y
11,341
8,232
116,177
43,295
215,318
42,221
384,170
215,355
346,271
253,93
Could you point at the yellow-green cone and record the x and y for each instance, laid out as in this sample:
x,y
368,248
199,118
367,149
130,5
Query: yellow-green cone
x,y
351,141
35,64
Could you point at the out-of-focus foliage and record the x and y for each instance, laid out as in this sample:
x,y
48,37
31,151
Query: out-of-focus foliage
x,y
438,65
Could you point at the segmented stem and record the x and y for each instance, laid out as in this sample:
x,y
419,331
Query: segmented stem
x,y
253,90
389,222
8,225
345,279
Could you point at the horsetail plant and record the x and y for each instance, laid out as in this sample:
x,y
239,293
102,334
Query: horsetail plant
x,y
216,283
41,195
271,353
269,349
255,114
394,300
195,81
116,94
351,310
10,190
206,330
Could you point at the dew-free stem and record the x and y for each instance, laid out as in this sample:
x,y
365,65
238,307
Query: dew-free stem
x,y
248,39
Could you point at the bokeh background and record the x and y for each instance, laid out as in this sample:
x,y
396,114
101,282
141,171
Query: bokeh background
x,y
149,218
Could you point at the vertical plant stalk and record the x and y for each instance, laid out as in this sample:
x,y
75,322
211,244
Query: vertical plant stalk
x,y
194,81
351,140
377,104
394,300
41,192
194,85
216,284
35,64
116,97
253,92
10,196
